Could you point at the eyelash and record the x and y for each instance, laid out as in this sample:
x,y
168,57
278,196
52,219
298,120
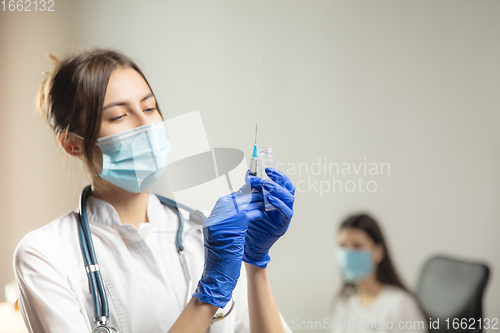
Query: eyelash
x,y
117,118
123,115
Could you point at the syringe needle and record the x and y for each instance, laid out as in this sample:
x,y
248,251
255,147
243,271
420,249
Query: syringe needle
x,y
255,133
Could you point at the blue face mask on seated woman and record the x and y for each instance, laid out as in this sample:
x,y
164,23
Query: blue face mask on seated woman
x,y
133,160
355,265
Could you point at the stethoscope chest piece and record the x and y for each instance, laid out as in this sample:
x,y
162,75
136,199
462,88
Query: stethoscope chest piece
x,y
104,329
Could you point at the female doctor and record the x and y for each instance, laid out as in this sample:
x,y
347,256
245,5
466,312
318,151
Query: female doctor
x,y
97,102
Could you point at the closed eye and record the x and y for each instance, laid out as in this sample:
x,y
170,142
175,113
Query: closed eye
x,y
118,118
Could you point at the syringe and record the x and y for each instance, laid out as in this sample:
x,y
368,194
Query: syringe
x,y
255,159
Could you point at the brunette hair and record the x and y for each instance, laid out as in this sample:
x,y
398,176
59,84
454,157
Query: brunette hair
x,y
385,272
71,96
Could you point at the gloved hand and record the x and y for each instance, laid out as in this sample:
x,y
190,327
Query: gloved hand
x,y
224,234
263,233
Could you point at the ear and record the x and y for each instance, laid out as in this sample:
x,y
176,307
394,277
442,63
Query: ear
x,y
71,144
378,254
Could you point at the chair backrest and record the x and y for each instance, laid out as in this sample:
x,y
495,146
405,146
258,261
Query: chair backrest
x,y
452,288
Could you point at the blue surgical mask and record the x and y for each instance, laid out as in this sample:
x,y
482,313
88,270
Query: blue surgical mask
x,y
133,160
355,265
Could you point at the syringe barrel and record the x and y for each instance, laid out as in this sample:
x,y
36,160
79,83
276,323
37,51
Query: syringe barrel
x,y
253,166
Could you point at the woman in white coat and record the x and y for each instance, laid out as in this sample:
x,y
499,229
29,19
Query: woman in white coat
x,y
373,298
97,101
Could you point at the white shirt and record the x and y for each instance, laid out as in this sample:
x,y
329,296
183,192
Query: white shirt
x,y
392,305
145,284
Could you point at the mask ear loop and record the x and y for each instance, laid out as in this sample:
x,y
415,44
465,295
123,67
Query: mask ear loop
x,y
66,143
81,138
91,173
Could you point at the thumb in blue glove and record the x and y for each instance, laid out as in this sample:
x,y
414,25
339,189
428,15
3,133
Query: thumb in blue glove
x,y
224,236
264,232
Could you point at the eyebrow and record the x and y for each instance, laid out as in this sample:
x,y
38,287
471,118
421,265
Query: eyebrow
x,y
125,103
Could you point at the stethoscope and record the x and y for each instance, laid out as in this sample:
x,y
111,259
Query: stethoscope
x,y
101,307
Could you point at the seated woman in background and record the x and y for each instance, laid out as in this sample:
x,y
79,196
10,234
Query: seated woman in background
x,y
373,298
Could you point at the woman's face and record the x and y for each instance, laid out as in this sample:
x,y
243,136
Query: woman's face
x,y
128,103
357,239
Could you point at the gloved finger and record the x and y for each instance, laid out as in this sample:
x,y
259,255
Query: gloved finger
x,y
282,179
285,211
252,212
252,184
279,192
255,183
255,213
248,198
255,206
230,205
242,203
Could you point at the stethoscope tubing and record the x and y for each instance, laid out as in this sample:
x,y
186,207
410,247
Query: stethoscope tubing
x,y
101,307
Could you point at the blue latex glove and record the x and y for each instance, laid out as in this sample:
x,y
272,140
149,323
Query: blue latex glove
x,y
263,233
224,234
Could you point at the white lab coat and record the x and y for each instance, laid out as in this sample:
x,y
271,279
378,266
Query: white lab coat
x,y
143,276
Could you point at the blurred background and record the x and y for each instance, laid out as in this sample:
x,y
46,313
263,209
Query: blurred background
x,y
413,85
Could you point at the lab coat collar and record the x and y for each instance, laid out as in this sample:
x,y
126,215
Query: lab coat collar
x,y
102,212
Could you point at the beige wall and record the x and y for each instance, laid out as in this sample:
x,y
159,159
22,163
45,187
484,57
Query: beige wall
x,y
37,183
410,83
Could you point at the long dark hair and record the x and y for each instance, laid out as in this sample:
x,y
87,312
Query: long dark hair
x,y
385,271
